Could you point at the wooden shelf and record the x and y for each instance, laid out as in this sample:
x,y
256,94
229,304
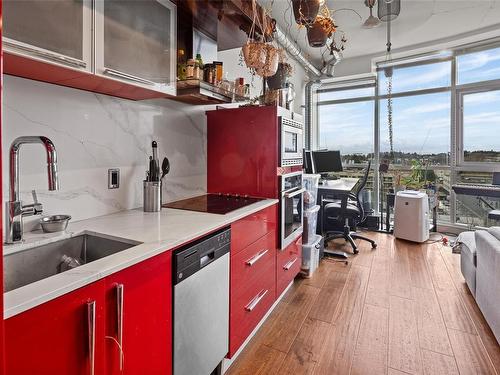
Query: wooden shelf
x,y
194,91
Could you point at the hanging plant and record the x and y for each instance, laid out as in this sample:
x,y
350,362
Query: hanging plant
x,y
320,31
254,54
271,65
305,11
280,79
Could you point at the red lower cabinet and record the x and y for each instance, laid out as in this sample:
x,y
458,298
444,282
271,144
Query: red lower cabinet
x,y
62,336
139,318
288,263
84,329
253,288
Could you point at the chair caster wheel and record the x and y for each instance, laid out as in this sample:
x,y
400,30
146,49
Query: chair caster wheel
x,y
346,263
374,246
355,251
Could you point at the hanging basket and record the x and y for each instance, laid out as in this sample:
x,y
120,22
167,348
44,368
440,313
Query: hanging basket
x,y
305,11
254,54
319,32
272,60
316,35
280,79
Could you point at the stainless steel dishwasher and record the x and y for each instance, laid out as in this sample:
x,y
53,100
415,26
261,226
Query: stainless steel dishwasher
x,y
201,305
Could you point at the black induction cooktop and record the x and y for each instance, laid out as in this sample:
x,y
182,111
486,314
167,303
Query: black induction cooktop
x,y
213,203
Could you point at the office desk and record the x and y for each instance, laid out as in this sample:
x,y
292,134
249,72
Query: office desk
x,y
334,190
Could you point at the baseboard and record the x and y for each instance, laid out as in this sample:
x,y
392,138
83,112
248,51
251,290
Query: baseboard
x,y
226,362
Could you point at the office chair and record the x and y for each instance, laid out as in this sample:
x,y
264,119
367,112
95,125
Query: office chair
x,y
349,209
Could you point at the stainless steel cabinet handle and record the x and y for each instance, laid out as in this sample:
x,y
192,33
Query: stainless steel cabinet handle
x,y
289,265
66,60
253,303
119,320
129,77
91,334
295,193
250,262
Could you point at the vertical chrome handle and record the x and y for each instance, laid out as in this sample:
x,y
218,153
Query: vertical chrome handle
x,y
289,265
252,261
119,320
91,334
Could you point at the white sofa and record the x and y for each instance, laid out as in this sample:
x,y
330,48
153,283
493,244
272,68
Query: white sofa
x,y
480,264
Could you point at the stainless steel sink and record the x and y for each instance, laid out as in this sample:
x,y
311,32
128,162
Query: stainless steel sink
x,y
37,263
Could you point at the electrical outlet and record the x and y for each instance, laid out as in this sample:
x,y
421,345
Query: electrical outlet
x,y
113,178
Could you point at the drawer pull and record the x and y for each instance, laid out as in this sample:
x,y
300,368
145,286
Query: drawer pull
x,y
128,77
289,265
65,60
250,262
253,303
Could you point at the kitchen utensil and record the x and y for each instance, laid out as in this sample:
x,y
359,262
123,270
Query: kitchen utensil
x,y
152,196
165,167
156,162
152,169
54,223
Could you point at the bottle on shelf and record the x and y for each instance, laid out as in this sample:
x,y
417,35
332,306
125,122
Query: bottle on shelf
x,y
199,62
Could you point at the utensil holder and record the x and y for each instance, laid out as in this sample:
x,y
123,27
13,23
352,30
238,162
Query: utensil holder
x,y
152,196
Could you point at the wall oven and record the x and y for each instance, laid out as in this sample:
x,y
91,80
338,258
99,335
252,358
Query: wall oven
x,y
291,142
292,206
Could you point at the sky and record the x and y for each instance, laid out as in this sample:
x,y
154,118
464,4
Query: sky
x,y
421,123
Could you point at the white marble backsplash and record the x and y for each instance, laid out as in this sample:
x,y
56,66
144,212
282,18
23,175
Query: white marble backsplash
x,y
93,133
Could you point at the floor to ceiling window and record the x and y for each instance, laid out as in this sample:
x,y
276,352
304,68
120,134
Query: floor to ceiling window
x,y
346,123
439,113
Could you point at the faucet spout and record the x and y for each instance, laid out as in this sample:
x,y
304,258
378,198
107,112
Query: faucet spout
x,y
53,181
15,210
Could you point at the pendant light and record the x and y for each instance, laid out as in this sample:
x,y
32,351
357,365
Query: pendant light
x,y
371,21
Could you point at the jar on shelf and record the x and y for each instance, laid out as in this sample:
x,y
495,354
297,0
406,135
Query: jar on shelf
x,y
190,69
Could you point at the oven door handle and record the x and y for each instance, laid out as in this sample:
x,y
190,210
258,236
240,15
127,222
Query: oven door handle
x,y
294,193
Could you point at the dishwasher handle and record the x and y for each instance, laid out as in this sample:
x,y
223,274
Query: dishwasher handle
x,y
207,258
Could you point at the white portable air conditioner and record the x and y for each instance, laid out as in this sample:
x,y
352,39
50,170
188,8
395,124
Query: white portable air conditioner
x,y
411,216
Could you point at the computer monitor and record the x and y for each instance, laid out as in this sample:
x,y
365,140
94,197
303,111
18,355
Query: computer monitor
x,y
308,162
327,161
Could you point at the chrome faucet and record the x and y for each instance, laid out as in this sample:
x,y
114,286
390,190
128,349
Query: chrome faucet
x,y
14,208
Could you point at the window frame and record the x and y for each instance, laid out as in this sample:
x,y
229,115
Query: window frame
x,y
457,92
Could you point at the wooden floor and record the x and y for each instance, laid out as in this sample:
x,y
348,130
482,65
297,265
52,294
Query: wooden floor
x,y
400,309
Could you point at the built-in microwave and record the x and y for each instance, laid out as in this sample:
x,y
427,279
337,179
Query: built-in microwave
x,y
291,142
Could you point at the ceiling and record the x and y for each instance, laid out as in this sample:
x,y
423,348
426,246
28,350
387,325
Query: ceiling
x,y
420,21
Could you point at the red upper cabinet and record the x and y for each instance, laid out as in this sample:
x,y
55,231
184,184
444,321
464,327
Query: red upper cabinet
x,y
243,151
139,317
58,32
120,48
136,43
62,336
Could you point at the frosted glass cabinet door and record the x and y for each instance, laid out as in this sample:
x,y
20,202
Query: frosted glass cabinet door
x,y
55,31
136,42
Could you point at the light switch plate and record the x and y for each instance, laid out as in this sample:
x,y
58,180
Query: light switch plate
x,y
113,178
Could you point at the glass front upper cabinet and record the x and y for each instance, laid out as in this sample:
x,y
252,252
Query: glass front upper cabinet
x,y
59,32
136,42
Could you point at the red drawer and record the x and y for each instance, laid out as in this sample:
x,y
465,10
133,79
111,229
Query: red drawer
x,y
288,263
248,308
248,265
252,227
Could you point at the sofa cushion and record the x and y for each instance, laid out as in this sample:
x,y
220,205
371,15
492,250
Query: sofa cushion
x,y
468,246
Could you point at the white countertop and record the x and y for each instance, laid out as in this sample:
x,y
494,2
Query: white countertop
x,y
157,232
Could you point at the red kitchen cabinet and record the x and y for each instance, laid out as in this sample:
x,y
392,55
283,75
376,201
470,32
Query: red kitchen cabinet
x,y
62,336
139,316
288,262
253,288
132,308
252,227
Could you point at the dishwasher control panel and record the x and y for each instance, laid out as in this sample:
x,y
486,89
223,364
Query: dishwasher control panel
x,y
199,254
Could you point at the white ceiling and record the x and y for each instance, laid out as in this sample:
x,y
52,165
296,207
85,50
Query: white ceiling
x,y
420,21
